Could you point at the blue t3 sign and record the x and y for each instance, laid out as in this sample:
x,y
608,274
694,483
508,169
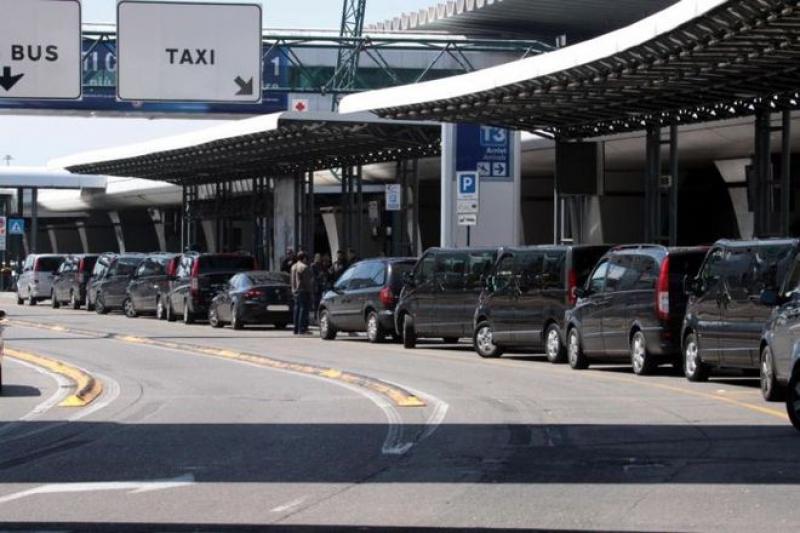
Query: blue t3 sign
x,y
485,149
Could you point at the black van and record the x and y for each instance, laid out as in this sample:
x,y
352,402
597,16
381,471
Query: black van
x,y
149,285
441,294
364,299
632,307
525,297
69,285
726,315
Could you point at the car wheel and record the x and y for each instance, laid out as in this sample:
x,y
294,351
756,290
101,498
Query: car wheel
x,y
20,301
409,333
54,303
771,390
31,299
375,332
170,312
577,359
188,317
161,311
553,346
793,400
213,318
326,330
130,310
693,367
641,361
73,301
100,305
483,341
236,320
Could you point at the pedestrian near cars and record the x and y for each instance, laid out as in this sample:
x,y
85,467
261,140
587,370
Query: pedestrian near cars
x,y
288,261
340,265
319,275
302,288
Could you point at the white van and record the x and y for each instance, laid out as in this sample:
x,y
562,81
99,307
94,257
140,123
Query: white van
x,y
36,281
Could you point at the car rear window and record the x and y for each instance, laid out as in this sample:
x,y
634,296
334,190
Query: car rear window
x,y
48,264
225,263
399,270
268,277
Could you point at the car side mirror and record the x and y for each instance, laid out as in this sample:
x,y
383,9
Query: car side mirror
x,y
769,297
581,292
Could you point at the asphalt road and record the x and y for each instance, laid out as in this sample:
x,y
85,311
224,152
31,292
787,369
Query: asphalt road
x,y
182,438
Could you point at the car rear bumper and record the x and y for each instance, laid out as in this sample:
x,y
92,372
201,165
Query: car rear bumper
x,y
260,314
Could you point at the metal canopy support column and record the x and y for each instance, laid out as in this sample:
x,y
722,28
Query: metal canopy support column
x,y
34,220
397,216
415,245
344,206
674,170
786,173
299,210
652,215
309,208
762,170
358,226
188,222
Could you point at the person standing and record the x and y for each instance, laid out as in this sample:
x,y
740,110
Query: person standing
x,y
302,288
319,275
288,260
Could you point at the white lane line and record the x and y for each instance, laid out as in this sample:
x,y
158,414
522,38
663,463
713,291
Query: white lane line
x,y
437,416
288,506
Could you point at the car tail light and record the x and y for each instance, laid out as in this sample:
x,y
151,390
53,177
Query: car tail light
x,y
386,297
79,275
254,294
662,291
194,284
172,267
572,287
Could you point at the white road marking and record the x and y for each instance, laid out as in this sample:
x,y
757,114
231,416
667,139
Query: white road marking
x,y
288,506
134,487
438,415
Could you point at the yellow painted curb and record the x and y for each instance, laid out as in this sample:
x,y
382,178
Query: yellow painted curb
x,y
397,395
87,388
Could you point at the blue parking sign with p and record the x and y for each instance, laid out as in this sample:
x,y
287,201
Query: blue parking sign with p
x,y
467,185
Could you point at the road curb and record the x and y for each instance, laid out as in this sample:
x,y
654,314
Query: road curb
x,y
87,388
398,396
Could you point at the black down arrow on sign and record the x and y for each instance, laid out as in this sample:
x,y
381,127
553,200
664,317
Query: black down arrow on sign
x,y
7,81
245,87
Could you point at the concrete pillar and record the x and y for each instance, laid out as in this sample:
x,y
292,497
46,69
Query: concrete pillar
x,y
118,233
51,234
210,232
284,213
82,235
157,216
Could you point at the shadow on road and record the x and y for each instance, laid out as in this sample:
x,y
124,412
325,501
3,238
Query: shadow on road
x,y
20,391
114,527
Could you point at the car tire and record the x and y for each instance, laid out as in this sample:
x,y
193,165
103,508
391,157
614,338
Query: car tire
x,y
188,317
54,303
326,330
73,301
213,318
100,305
20,301
483,342
575,356
236,321
793,400
375,332
31,299
129,309
161,309
409,333
553,347
641,361
693,367
170,312
771,389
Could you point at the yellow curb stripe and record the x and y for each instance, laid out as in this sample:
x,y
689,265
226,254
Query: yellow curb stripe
x,y
398,396
87,388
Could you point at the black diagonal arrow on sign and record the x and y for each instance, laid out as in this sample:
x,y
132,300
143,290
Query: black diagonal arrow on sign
x,y
245,87
7,81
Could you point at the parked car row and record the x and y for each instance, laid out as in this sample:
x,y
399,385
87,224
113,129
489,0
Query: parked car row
x,y
224,288
733,305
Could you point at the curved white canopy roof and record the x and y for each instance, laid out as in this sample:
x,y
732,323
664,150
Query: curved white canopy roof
x,y
43,178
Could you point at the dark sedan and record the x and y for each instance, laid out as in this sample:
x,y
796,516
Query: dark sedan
x,y
253,298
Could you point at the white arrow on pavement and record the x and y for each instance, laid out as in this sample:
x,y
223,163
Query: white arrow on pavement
x,y
135,487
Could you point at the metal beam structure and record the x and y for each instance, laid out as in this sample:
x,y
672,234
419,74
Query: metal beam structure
x,y
352,28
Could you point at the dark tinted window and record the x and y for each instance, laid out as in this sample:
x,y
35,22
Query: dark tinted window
x,y
553,269
88,263
126,266
505,272
368,275
399,271
225,263
713,268
268,277
424,270
450,270
343,283
597,282
529,268
48,264
479,266
622,273
584,260
648,270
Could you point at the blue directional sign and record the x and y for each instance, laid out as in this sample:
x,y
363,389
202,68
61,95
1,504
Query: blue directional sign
x,y
485,149
16,226
468,185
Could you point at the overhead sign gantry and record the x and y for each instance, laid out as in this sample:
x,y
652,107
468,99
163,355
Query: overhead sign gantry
x,y
40,49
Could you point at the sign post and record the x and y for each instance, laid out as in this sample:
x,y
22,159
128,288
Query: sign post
x,y
181,52
40,49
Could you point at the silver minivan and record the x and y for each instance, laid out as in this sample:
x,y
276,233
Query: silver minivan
x,y
36,281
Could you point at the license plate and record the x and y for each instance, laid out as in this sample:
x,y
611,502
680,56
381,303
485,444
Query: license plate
x,y
277,308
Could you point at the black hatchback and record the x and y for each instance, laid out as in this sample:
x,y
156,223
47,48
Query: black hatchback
x,y
255,297
525,297
364,299
632,307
